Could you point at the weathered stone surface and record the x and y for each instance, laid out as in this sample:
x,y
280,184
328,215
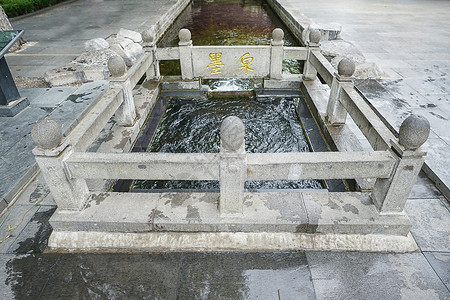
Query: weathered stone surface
x,y
116,66
414,131
232,133
148,36
328,31
431,220
129,34
336,50
130,53
346,67
184,35
96,44
96,58
47,134
123,42
89,66
351,275
368,70
277,34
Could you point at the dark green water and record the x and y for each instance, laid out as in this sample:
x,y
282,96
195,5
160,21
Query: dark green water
x,y
193,125
231,23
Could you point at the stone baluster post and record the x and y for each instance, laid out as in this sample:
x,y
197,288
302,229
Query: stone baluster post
x,y
233,166
390,194
309,72
50,153
126,114
150,49
185,47
336,113
276,53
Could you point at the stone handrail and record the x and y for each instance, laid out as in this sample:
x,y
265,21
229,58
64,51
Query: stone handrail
x,y
395,163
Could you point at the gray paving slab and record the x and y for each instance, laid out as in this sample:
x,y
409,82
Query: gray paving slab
x,y
13,223
430,220
440,262
245,276
34,237
18,127
107,276
424,188
52,97
413,50
374,276
15,164
5,290
58,34
32,93
71,109
36,191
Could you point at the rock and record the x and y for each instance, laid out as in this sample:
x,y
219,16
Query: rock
x,y
98,58
89,66
122,42
328,31
96,44
69,74
129,34
414,132
334,51
129,53
367,70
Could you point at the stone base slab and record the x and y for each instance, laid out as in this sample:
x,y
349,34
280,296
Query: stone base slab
x,y
14,107
293,212
227,241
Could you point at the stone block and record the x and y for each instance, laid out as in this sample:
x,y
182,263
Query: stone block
x,y
129,34
351,275
350,213
96,44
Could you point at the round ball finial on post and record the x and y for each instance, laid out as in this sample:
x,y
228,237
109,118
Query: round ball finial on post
x,y
47,134
414,132
314,36
116,66
184,35
277,35
346,67
148,36
232,134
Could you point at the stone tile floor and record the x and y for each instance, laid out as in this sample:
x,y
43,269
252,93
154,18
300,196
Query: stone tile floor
x,y
27,271
409,40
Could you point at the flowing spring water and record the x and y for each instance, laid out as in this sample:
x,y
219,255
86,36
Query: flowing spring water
x,y
193,125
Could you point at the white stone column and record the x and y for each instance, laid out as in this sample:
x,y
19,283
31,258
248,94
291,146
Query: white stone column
x,y
150,48
276,53
50,154
233,166
309,72
390,195
126,114
336,113
185,47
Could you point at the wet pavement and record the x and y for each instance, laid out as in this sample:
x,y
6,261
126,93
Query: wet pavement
x,y
409,41
28,272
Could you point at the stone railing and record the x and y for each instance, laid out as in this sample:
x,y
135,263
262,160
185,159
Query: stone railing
x,y
395,163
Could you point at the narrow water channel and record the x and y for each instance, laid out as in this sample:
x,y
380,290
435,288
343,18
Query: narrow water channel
x,y
231,23
192,125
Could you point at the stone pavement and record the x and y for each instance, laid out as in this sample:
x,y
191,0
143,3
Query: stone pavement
x,y
410,41
27,273
57,36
